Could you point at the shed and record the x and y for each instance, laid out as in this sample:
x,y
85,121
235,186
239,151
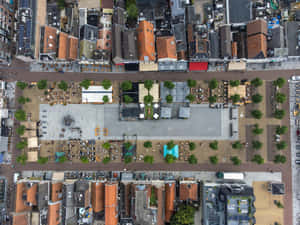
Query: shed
x,y
184,112
174,151
165,112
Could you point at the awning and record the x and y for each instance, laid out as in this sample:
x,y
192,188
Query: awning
x,y
198,66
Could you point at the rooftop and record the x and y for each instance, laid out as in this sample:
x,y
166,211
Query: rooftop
x,y
240,11
146,42
166,48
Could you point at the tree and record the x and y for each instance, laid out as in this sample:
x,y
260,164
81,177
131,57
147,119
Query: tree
x,y
281,145
148,84
105,99
281,130
149,159
63,85
42,84
184,216
22,100
257,145
256,82
213,83
170,159
192,146
148,144
106,160
237,145
279,82
214,159
127,159
62,159
148,99
191,97
106,145
191,83
257,98
280,97
258,159
169,84
279,159
257,114
22,159
214,145
20,130
127,145
21,145
192,159
84,159
169,99
234,83
126,85
106,84
61,4
235,98
85,84
20,115
132,11
212,99
170,145
21,85
42,160
278,204
235,160
127,99
256,130
279,114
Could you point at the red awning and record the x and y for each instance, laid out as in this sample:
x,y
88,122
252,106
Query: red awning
x,y
198,66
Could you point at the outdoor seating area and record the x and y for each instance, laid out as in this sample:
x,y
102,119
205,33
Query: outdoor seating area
x,y
44,66
95,68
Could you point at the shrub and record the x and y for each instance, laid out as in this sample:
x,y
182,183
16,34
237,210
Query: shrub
x,y
20,130
278,204
214,159
127,159
63,85
279,114
21,145
42,160
169,84
257,114
214,145
127,99
234,83
132,11
148,99
237,145
281,145
192,159
170,159
42,84
106,145
106,84
22,159
213,83
280,97
235,160
169,98
148,144
148,84
258,159
235,98
21,85
191,97
126,85
105,99
256,130
257,98
256,82
149,159
191,83
257,145
85,84
279,159
192,146
20,115
106,160
170,145
127,145
279,82
62,159
84,159
212,99
281,130
183,216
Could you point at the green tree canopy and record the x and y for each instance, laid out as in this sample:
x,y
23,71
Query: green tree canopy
x,y
84,159
169,84
192,146
127,145
280,97
279,114
148,84
148,99
106,160
281,130
214,159
20,115
234,83
256,145
42,84
85,84
105,99
257,114
191,97
126,85
63,85
235,160
191,83
279,159
20,130
106,145
169,99
258,159
62,159
148,144
281,145
214,145
149,159
42,160
132,11
21,85
22,100
127,99
184,216
170,159
170,145
237,145
22,159
213,83
279,82
192,159
21,145
256,130
257,98
256,82
212,99
106,84
235,98
127,159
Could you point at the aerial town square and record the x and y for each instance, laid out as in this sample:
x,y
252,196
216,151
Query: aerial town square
x,y
139,112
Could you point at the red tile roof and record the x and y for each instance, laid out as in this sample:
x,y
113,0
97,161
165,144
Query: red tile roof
x,y
146,42
170,192
166,47
20,203
31,194
56,192
256,44
50,39
259,26
188,191
63,45
73,48
111,214
54,213
105,40
20,219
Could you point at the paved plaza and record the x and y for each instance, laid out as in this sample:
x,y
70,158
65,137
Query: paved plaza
x,y
87,122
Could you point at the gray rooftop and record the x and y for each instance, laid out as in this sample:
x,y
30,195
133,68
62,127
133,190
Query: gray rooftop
x,y
240,11
184,112
292,37
165,112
